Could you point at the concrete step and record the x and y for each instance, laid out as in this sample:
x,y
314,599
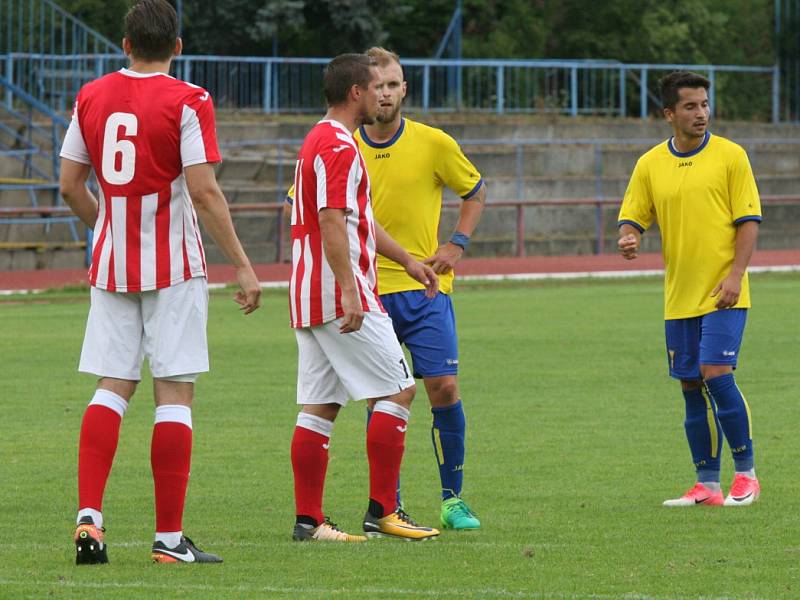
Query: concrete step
x,y
579,186
52,258
18,233
513,188
253,167
493,161
238,192
487,126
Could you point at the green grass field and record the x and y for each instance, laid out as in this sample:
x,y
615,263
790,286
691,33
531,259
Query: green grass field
x,y
575,437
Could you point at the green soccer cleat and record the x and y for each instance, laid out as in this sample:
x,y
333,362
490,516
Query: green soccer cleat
x,y
457,515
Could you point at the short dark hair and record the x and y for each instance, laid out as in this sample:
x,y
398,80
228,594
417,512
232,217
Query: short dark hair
x,y
672,83
151,27
342,73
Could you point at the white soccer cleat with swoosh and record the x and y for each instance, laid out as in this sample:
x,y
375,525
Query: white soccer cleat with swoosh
x,y
185,552
744,491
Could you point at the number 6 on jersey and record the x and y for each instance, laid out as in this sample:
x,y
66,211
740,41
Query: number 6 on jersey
x,y
112,146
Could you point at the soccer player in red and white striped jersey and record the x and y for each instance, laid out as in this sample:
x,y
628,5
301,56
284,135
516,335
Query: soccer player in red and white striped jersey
x,y
151,141
346,345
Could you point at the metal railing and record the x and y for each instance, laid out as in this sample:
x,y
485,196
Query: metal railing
x,y
293,85
42,26
38,141
520,236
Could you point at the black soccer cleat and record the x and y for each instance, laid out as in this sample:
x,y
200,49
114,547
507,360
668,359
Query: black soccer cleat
x,y
90,546
185,552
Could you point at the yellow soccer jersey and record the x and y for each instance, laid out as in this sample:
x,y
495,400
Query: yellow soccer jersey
x,y
698,198
407,175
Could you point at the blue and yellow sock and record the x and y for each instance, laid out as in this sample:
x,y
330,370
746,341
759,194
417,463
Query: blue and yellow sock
x,y
734,416
703,435
447,434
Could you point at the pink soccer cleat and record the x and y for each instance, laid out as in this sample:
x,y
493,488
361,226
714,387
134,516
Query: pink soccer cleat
x,y
696,496
744,491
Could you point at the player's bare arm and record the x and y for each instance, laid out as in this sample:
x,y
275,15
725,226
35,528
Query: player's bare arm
x,y
447,255
727,291
287,211
388,247
337,250
212,210
629,241
72,185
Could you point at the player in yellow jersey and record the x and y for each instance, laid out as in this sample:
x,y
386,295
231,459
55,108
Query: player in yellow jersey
x,y
700,189
409,164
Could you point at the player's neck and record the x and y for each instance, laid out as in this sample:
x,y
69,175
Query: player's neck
x,y
383,132
147,67
344,116
686,143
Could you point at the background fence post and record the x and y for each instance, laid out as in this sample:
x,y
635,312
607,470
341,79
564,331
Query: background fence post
x,y
712,92
643,99
598,194
776,94
573,91
268,87
500,80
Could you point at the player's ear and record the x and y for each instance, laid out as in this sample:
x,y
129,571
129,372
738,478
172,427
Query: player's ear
x,y
405,87
178,47
126,46
669,114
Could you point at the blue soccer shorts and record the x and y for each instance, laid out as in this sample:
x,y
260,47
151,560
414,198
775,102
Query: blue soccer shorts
x,y
427,327
711,339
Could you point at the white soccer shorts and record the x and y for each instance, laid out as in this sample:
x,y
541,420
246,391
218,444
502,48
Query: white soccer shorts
x,y
168,326
333,367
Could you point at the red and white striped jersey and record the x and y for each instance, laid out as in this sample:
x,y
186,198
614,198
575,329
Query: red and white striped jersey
x,y
138,131
330,173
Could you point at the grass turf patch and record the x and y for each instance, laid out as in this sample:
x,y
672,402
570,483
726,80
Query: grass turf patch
x,y
575,437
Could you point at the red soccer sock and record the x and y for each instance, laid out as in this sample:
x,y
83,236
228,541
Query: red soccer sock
x,y
309,463
97,447
386,436
171,458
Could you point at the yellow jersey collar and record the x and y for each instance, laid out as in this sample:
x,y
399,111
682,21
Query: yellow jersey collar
x,y
387,143
697,150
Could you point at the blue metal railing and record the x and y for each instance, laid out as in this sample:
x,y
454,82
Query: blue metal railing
x,y
42,26
293,85
51,136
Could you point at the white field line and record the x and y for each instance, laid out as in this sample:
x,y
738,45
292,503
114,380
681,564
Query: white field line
x,y
606,274
504,277
141,544
367,591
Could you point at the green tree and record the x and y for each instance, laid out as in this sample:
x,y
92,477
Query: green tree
x,y
104,16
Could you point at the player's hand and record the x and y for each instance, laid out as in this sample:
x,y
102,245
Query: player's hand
x,y
425,275
249,296
445,258
628,246
353,313
728,291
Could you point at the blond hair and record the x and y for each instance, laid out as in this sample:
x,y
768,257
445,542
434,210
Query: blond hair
x,y
382,56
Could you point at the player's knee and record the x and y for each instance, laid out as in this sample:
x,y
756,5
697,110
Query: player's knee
x,y
442,391
691,384
123,388
324,411
405,397
712,371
